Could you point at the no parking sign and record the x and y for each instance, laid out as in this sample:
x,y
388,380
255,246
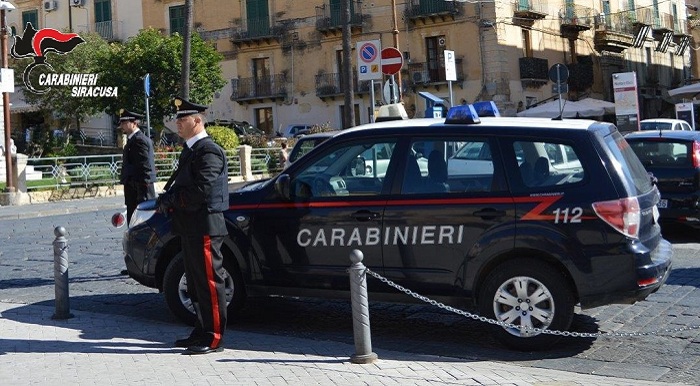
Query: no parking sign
x,y
369,60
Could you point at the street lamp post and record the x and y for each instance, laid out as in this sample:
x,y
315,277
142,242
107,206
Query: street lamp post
x,y
4,8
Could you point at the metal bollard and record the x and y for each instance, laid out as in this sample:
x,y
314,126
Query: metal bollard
x,y
360,311
60,274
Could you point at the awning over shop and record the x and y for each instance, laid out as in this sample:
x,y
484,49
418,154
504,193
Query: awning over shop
x,y
688,91
584,108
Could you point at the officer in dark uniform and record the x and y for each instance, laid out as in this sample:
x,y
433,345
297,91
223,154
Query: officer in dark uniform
x,y
138,169
195,201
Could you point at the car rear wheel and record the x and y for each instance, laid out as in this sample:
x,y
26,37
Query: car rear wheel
x,y
178,299
528,293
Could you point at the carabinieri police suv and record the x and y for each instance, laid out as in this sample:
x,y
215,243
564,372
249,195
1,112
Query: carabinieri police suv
x,y
522,217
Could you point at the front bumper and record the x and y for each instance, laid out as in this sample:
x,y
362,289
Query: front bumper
x,y
140,244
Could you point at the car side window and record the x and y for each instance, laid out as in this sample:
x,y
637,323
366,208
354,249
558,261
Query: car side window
x,y
350,169
546,164
450,166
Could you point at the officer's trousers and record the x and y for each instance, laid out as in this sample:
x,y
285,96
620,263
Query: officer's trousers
x,y
205,284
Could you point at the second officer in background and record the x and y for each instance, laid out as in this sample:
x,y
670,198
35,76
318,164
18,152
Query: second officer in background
x,y
138,172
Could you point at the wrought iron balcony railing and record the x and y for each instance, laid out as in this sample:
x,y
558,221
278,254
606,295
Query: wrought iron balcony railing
x,y
273,86
328,85
423,8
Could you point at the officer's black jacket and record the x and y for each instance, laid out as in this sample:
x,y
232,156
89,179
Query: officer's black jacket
x,y
200,191
137,162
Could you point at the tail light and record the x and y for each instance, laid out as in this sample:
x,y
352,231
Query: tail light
x,y
118,219
624,215
696,154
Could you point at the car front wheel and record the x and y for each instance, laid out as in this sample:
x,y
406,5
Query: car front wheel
x,y
527,293
178,299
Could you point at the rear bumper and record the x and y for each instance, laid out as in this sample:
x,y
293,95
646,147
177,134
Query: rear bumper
x,y
651,273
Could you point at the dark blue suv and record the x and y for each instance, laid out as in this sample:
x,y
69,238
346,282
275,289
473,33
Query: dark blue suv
x,y
522,218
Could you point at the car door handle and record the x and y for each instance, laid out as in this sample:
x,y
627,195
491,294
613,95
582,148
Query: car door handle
x,y
489,213
365,215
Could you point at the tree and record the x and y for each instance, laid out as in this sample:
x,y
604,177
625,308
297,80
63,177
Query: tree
x,y
152,52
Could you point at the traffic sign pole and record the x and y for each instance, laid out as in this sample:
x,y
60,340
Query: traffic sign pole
x,y
147,91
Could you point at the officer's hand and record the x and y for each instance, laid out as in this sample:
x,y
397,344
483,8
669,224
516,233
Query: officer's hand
x,y
164,203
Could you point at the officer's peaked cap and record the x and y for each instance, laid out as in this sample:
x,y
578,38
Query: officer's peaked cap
x,y
184,107
126,115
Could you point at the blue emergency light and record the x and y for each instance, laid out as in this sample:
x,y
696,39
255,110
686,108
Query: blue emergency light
x,y
486,109
462,114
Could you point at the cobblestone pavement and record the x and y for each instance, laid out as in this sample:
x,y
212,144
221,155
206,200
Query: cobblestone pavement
x,y
95,261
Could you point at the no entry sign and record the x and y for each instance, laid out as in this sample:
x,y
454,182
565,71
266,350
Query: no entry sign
x,y
392,61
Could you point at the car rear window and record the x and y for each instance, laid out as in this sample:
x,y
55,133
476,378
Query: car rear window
x,y
655,126
627,164
659,152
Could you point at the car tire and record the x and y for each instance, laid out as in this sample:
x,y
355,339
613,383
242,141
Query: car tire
x,y
177,297
550,299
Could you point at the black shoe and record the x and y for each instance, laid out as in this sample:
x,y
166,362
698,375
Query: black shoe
x,y
196,350
187,342
124,272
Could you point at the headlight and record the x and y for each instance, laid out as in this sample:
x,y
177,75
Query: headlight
x,y
140,216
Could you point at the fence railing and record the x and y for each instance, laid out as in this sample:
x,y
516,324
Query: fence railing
x,y
98,170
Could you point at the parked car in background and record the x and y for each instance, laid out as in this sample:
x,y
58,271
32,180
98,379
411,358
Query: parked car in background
x,y
664,124
673,157
294,130
241,129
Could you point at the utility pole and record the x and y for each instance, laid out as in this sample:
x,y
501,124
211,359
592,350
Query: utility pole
x,y
346,76
70,17
186,45
395,32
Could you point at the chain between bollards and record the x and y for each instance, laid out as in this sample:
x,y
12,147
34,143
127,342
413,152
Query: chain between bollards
x,y
360,311
60,273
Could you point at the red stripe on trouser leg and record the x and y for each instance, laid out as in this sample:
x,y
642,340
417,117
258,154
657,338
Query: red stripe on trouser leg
x,y
212,290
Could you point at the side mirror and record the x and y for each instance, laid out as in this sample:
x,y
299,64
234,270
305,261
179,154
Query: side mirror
x,y
357,166
282,186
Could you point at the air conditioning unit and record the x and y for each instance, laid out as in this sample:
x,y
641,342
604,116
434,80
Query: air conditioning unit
x,y
420,76
76,3
50,5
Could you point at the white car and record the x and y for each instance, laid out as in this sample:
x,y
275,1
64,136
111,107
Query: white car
x,y
664,124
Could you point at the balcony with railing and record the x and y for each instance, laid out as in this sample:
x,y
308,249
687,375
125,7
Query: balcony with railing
x,y
255,31
259,89
574,18
527,11
664,23
431,73
331,86
613,32
533,71
109,30
329,17
430,11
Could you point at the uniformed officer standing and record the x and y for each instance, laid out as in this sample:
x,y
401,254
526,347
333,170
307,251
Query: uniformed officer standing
x,y
195,200
138,168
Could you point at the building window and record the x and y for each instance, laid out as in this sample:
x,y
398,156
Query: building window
x,y
177,19
435,55
103,19
30,17
261,76
258,14
264,121
527,43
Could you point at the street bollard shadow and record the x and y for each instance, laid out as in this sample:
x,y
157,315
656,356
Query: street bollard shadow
x,y
406,329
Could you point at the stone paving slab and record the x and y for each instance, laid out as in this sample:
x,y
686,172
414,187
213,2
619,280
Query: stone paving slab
x,y
92,349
